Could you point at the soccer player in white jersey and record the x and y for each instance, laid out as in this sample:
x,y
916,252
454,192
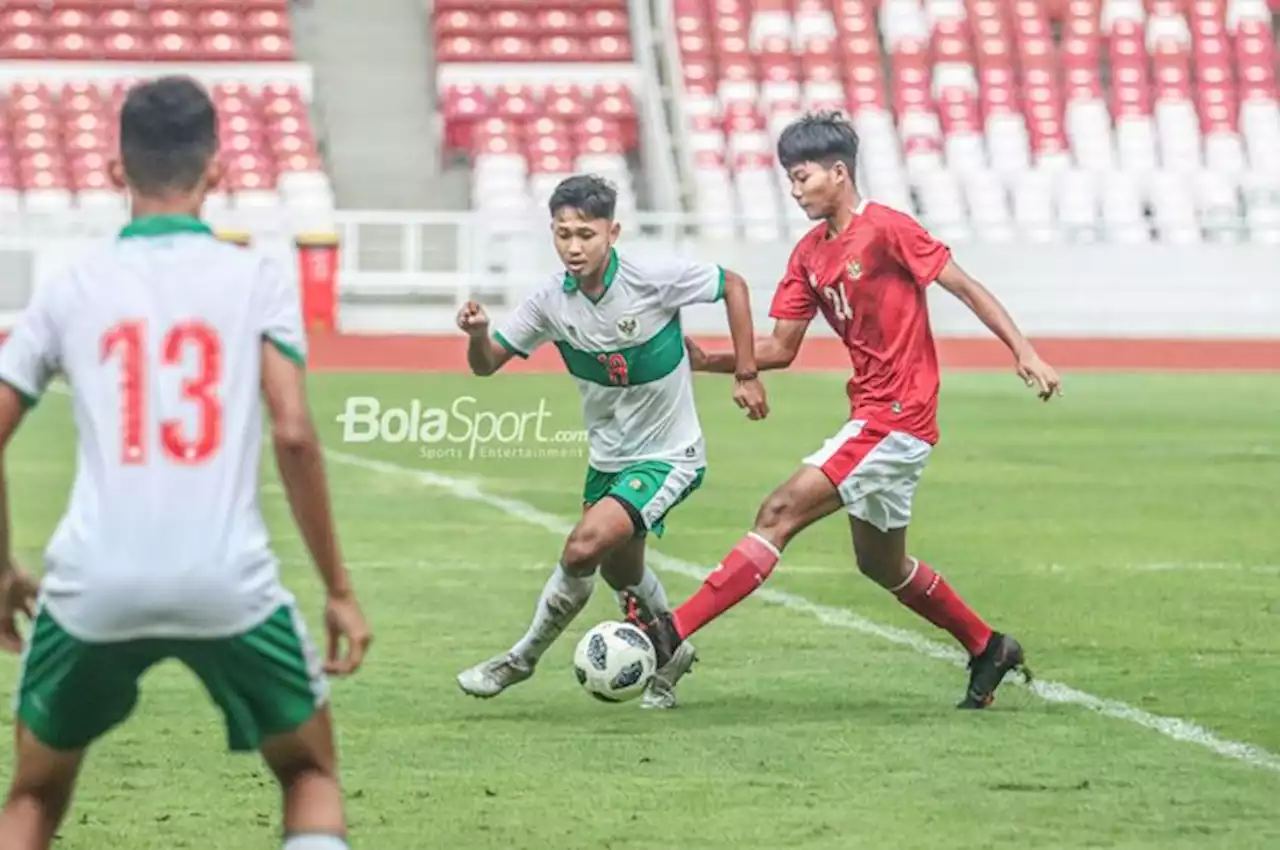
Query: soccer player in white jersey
x,y
615,318
169,340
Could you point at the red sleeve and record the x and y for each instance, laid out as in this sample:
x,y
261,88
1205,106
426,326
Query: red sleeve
x,y
915,249
794,297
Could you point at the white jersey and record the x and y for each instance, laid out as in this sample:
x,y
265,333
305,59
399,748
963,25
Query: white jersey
x,y
626,352
159,335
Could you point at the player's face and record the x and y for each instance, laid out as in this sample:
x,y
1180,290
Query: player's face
x,y
817,189
583,243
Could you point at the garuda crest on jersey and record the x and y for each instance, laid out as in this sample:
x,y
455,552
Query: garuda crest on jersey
x,y
855,270
628,327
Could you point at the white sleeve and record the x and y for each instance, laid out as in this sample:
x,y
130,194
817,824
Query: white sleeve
x,y
282,312
690,282
32,354
525,329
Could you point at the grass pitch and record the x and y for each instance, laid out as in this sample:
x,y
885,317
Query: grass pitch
x,y
1127,534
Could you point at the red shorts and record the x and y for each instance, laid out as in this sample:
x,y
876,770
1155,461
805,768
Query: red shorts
x,y
875,469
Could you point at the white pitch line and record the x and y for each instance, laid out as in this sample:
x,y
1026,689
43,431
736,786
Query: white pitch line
x,y
1056,692
1171,567
1204,567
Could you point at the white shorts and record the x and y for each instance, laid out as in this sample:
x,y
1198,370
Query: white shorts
x,y
876,471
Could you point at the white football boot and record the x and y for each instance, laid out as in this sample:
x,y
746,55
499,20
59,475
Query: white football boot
x,y
661,690
494,676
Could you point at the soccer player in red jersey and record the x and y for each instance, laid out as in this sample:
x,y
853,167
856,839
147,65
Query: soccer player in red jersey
x,y
865,268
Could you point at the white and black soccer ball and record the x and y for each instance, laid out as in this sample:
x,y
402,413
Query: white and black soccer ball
x,y
614,661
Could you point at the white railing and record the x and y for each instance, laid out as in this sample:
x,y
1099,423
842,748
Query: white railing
x,y
1056,289
671,58
408,272
657,151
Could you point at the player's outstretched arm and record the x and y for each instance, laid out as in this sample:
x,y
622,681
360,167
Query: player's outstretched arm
x,y
17,589
737,308
1033,370
29,358
484,354
11,412
775,351
300,461
748,392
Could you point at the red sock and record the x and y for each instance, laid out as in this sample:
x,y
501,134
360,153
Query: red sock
x,y
929,595
742,571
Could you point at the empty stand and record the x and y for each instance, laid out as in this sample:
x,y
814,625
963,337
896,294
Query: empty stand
x,y
70,64
533,93
1088,120
120,30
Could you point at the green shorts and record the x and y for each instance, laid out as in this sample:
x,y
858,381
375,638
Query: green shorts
x,y
649,489
266,681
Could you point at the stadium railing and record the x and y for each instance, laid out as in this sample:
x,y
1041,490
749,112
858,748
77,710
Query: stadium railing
x,y
1063,289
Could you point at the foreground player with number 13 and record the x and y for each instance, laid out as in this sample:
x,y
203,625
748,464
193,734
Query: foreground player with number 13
x,y
170,340
865,268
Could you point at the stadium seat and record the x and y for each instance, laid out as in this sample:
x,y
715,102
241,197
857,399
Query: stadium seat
x,y
125,30
531,95
58,133
64,135
1115,120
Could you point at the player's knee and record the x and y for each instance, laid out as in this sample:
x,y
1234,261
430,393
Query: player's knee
x,y
44,797
583,551
44,780
777,520
304,770
871,567
305,754
887,569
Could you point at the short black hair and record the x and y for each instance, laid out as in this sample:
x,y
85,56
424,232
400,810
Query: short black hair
x,y
592,195
168,134
822,137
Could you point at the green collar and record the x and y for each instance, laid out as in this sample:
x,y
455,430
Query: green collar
x,y
164,225
610,272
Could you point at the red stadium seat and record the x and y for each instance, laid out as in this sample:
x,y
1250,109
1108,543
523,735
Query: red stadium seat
x,y
545,129
996,95
124,30
171,19
60,137
121,18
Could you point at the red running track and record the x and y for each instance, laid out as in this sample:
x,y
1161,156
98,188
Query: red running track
x,y
447,353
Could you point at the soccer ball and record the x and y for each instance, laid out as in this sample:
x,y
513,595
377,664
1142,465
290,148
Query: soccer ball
x,y
614,662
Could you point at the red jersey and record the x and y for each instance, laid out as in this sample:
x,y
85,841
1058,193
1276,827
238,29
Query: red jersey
x,y
869,281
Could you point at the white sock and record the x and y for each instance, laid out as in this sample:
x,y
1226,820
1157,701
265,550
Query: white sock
x,y
650,592
315,842
562,598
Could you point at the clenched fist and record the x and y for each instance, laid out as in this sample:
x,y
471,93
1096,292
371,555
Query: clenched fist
x,y
472,319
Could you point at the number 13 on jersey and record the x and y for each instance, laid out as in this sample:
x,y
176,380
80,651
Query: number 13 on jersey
x,y
127,343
